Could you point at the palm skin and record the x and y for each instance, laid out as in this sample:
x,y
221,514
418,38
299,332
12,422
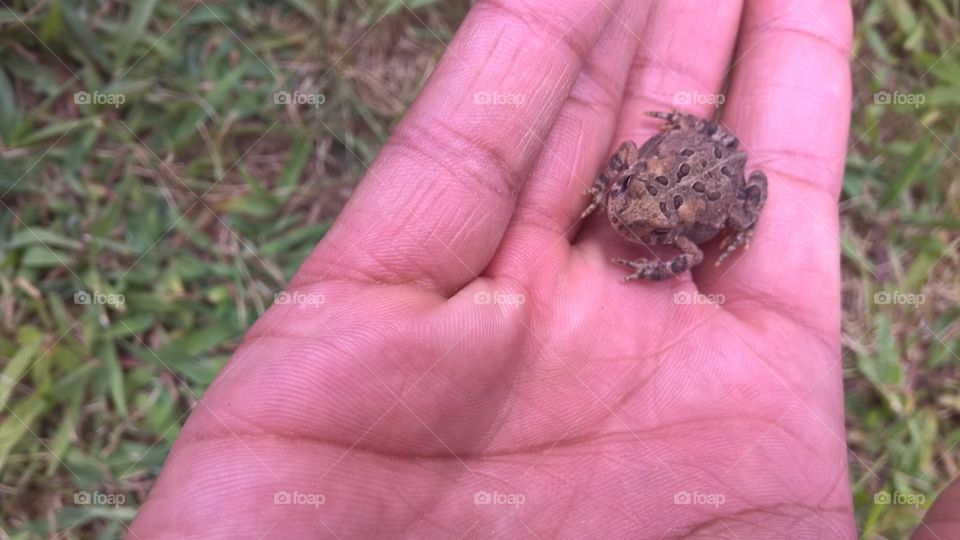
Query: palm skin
x,y
467,362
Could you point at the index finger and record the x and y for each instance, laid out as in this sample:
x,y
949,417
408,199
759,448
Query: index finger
x,y
789,101
433,206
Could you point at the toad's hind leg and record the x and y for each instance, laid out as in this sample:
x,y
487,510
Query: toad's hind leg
x,y
743,218
659,270
618,166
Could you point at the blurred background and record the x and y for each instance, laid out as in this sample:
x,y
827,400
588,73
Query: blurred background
x,y
165,166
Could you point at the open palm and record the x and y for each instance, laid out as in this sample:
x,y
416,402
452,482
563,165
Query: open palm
x,y
459,357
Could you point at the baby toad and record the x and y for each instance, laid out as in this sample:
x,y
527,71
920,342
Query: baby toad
x,y
681,188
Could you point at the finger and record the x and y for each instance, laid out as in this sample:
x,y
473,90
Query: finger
x,y
941,520
668,73
577,144
789,100
434,204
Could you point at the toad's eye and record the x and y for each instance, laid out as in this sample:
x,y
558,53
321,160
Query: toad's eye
x,y
660,232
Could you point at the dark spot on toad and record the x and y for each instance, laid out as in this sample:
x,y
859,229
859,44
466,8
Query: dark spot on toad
x,y
616,163
753,194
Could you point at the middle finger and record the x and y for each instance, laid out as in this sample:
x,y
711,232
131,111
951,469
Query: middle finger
x,y
682,61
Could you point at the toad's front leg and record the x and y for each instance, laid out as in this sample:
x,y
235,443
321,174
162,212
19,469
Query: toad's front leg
x,y
744,216
690,256
620,165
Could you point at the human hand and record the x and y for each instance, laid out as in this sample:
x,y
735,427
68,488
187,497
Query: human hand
x,y
467,361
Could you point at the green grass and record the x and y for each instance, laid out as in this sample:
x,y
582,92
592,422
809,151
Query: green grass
x,y
900,238
197,198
